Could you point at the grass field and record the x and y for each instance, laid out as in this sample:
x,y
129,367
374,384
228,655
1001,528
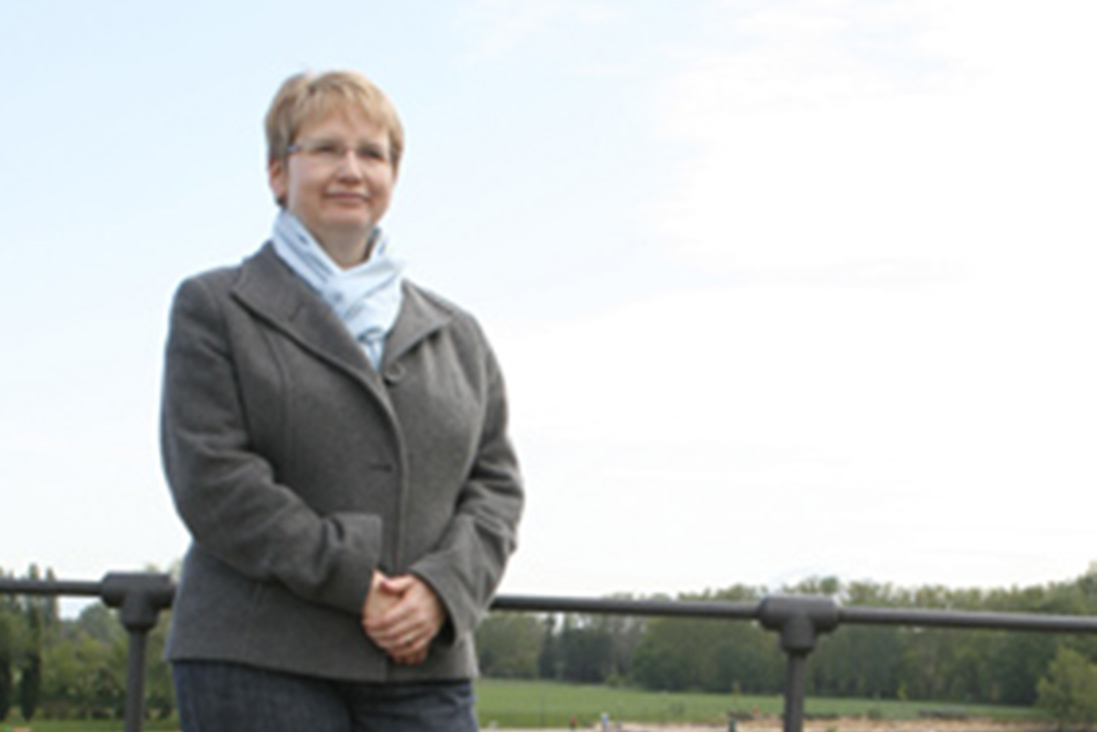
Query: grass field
x,y
540,704
552,705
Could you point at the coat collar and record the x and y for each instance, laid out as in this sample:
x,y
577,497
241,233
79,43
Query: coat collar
x,y
272,291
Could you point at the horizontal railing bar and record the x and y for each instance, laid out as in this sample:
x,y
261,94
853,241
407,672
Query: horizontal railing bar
x,y
847,615
663,608
50,587
971,620
863,616
927,618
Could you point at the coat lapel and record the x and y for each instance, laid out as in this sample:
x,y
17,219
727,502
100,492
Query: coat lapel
x,y
419,317
272,291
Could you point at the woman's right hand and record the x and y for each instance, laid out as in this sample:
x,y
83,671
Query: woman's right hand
x,y
403,617
377,601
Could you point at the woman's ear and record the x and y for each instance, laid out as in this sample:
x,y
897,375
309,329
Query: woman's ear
x,y
277,179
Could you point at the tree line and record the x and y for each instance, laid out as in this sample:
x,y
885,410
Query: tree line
x,y
678,654
65,668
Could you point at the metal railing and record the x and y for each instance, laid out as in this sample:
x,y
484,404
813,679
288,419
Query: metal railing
x,y
799,619
139,598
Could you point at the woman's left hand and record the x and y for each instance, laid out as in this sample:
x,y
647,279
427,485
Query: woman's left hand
x,y
405,629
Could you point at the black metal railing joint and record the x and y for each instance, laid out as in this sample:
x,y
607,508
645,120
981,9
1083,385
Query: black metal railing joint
x,y
139,596
800,619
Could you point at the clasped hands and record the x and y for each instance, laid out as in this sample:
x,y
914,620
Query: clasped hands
x,y
402,615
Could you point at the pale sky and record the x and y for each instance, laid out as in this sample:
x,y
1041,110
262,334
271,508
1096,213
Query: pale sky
x,y
780,289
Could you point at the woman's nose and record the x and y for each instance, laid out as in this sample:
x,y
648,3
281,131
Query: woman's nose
x,y
351,166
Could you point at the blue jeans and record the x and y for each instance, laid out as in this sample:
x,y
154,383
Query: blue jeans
x,y
228,697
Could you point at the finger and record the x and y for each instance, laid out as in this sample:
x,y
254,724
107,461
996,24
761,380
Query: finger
x,y
408,615
400,583
408,658
412,615
390,643
390,627
397,637
378,604
384,636
416,658
391,618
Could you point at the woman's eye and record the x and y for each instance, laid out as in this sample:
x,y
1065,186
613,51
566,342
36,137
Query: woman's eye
x,y
329,149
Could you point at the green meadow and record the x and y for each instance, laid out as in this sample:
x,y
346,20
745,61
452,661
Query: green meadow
x,y
551,704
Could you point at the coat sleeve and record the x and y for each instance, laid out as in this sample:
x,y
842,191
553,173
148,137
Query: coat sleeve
x,y
468,563
226,493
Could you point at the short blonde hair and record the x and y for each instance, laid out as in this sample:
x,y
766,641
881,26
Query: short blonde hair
x,y
308,96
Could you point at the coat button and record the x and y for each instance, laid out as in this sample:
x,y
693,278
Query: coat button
x,y
393,374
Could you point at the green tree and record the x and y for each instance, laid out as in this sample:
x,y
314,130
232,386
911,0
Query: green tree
x,y
6,653
101,623
586,650
84,671
11,639
73,676
677,654
508,645
159,689
548,662
1069,691
51,610
858,662
625,633
30,685
30,668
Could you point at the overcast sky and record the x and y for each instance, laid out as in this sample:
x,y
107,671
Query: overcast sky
x,y
781,289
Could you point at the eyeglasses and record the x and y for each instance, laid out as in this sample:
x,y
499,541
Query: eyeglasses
x,y
333,152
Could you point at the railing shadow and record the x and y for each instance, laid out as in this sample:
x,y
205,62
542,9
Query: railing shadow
x,y
799,619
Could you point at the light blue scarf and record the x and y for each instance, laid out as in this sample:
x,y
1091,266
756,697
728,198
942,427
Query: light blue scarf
x,y
366,297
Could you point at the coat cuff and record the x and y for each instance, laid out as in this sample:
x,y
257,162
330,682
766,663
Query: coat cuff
x,y
461,617
352,573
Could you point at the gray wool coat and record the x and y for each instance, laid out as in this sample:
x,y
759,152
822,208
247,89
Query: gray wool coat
x,y
298,469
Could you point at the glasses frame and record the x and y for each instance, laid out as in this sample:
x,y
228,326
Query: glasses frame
x,y
334,152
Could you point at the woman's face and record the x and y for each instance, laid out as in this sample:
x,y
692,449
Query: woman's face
x,y
337,179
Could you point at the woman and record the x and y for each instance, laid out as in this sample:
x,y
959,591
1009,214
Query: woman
x,y
335,441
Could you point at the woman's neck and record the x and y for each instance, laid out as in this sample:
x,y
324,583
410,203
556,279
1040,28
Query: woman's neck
x,y
347,251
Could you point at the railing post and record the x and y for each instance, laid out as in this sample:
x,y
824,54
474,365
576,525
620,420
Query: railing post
x,y
800,620
140,597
